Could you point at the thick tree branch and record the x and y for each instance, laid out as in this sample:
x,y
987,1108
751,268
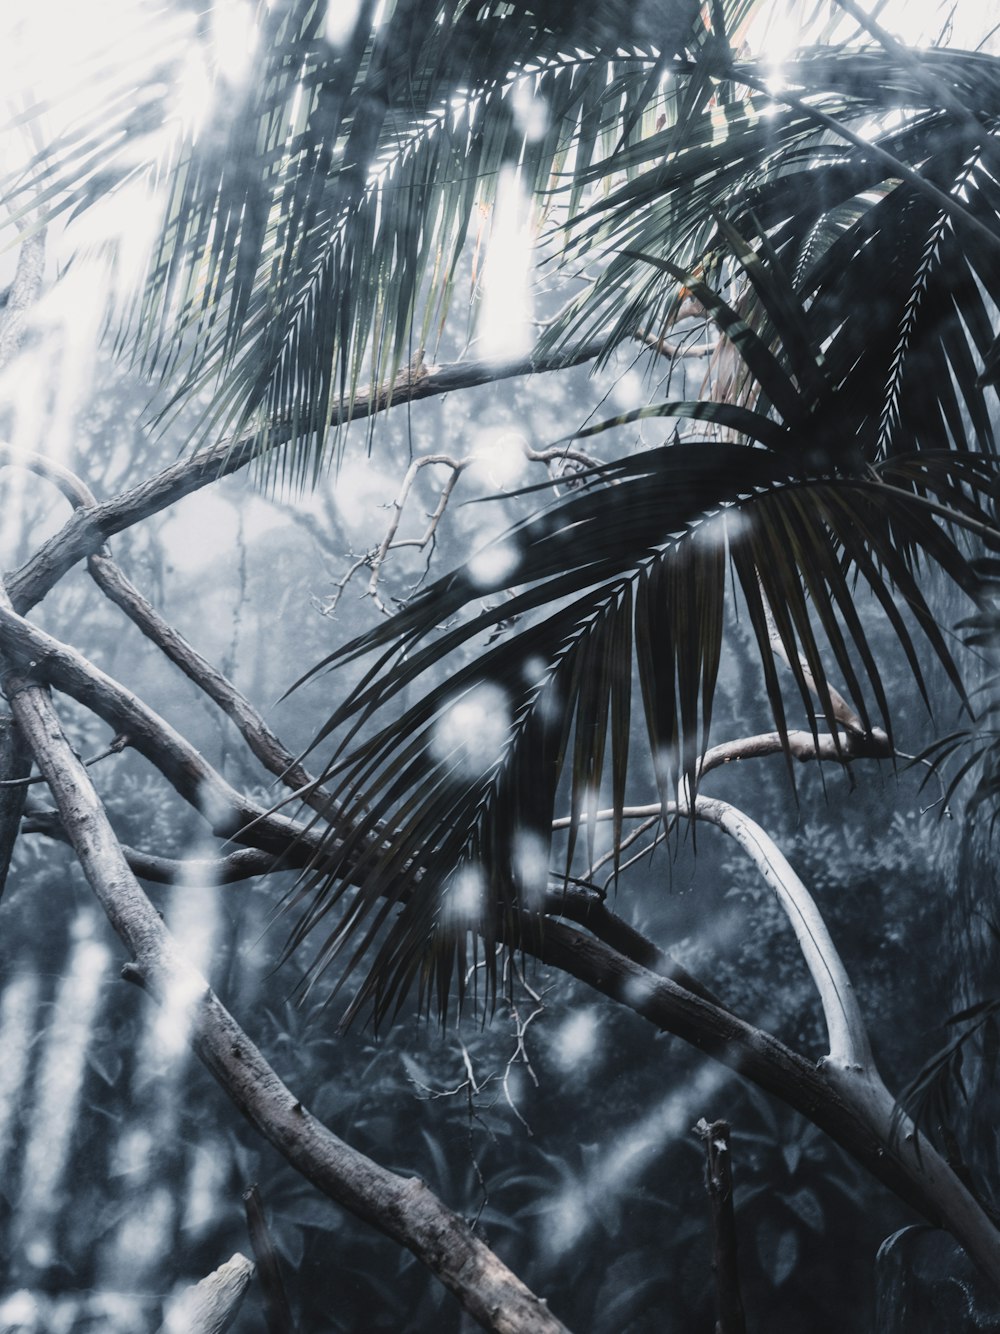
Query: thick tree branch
x,y
849,1046
589,910
227,811
405,1210
845,1027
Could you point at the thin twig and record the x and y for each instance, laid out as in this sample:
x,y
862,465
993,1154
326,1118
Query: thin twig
x,y
115,747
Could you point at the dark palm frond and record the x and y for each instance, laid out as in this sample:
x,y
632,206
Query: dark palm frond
x,y
930,1096
975,750
636,564
897,294
630,574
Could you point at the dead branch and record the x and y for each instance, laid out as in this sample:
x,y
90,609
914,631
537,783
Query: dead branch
x,y
830,699
375,559
276,758
673,351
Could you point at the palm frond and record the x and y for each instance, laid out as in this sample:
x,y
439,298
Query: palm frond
x,y
313,228
627,576
823,232
931,1095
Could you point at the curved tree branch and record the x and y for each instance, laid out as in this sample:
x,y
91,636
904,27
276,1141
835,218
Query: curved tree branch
x,y
846,1032
227,811
853,1111
109,578
405,1210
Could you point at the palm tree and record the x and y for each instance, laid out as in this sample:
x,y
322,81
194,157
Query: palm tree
x,y
838,222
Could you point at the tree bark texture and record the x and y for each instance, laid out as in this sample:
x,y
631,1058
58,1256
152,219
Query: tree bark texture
x,y
404,1209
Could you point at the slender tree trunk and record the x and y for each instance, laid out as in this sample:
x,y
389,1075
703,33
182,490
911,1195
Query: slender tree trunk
x,y
719,1183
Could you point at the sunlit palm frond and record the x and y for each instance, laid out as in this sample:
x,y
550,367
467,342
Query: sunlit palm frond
x,y
314,223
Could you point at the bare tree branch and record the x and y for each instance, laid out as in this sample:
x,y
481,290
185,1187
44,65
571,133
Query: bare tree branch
x,y
89,527
263,743
243,864
588,910
376,558
227,811
276,758
405,1210
851,1110
846,1032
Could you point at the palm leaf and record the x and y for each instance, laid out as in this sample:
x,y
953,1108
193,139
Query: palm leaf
x,y
418,820
316,222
